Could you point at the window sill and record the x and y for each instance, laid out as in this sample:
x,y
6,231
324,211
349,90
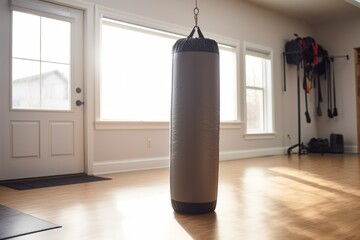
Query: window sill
x,y
230,125
121,125
258,136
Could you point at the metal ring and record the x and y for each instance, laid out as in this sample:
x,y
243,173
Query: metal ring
x,y
196,11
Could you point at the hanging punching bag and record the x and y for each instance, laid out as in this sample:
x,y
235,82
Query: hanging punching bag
x,y
195,113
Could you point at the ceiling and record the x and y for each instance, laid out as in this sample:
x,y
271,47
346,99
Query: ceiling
x,y
312,11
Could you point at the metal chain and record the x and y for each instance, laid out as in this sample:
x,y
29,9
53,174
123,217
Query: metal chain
x,y
196,13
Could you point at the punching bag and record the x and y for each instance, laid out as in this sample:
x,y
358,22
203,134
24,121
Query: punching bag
x,y
195,116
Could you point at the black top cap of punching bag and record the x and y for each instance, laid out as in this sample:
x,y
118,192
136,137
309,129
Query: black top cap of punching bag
x,y
200,44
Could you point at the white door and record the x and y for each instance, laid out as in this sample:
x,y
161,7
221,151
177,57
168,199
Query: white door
x,y
41,70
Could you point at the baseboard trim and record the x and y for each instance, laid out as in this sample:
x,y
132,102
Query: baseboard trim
x,y
351,149
128,165
234,155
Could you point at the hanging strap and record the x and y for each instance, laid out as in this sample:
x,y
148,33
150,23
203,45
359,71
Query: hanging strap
x,y
335,111
319,96
330,114
307,114
196,28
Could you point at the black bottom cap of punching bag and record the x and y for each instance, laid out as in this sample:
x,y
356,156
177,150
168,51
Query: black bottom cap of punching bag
x,y
193,208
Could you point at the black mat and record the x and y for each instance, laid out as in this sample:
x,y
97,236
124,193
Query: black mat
x,y
14,223
27,184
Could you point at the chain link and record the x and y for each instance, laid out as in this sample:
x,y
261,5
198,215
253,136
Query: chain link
x,y
196,13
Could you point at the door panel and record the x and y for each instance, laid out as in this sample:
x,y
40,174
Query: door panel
x,y
21,131
62,138
41,127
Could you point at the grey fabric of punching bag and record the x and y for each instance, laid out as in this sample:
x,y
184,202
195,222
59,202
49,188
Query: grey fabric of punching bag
x,y
195,116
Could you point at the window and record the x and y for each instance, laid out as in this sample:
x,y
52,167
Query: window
x,y
136,72
228,84
40,62
136,65
259,107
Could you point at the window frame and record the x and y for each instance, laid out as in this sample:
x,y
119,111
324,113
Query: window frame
x,y
269,125
103,12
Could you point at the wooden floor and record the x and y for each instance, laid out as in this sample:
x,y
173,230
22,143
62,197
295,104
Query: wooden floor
x,y
281,197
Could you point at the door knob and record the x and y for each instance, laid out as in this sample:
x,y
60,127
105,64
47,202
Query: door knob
x,y
79,102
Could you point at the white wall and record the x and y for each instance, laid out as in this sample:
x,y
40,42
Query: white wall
x,y
120,150
127,149
340,39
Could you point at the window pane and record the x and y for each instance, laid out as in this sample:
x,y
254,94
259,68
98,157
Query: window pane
x,y
40,44
136,72
136,75
26,36
228,85
255,112
55,40
259,91
55,86
254,71
26,84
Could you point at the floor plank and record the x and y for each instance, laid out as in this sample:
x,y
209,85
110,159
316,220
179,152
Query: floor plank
x,y
277,197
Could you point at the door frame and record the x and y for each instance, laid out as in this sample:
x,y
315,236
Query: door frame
x,y
89,79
